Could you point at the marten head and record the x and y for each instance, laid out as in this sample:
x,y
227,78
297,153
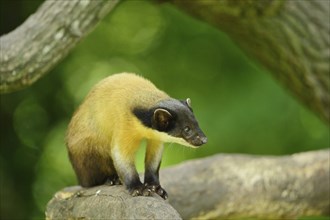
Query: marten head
x,y
176,119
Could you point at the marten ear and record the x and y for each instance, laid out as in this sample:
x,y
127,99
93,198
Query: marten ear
x,y
161,119
188,101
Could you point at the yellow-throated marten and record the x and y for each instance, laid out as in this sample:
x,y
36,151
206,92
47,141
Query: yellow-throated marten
x,y
106,131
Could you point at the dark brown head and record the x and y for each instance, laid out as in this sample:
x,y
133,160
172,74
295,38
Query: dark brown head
x,y
176,119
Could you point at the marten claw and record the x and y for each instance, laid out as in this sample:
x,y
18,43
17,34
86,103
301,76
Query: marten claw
x,y
161,192
157,189
135,192
113,181
146,192
140,192
110,182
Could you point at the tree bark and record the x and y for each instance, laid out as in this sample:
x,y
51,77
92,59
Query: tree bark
x,y
46,37
290,38
218,187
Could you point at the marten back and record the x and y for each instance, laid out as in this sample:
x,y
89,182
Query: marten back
x,y
111,101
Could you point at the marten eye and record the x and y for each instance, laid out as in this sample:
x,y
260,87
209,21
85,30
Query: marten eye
x,y
187,129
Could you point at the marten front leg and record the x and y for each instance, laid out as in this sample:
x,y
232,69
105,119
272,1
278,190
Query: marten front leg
x,y
152,163
123,159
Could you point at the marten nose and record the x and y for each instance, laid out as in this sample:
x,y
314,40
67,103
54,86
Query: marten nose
x,y
203,140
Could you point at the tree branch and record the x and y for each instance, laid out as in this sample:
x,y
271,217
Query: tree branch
x,y
221,186
290,38
46,37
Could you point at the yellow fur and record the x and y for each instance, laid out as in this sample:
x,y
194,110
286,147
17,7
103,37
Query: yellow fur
x,y
107,110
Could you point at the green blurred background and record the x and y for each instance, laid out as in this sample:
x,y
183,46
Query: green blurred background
x,y
239,105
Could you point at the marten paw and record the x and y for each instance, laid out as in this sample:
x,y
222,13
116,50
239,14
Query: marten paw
x,y
113,180
157,189
140,191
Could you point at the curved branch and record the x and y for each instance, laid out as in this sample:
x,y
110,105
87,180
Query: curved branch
x,y
46,37
290,38
221,186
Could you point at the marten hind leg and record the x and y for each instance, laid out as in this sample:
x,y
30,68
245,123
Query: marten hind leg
x,y
93,169
112,179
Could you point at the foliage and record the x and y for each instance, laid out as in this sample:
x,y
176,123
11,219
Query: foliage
x,y
238,105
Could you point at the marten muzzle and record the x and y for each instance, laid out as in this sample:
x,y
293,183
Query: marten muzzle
x,y
197,139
